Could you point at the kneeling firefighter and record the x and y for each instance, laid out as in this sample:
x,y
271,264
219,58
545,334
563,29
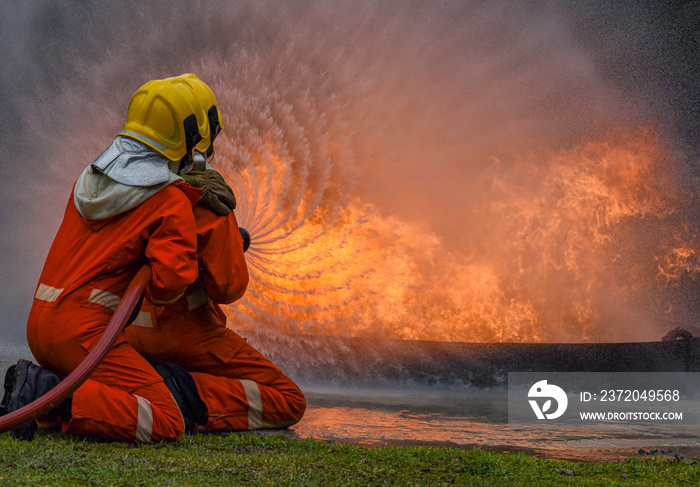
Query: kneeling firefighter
x,y
177,367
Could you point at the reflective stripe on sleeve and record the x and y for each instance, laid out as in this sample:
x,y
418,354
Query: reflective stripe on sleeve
x,y
105,298
255,407
144,425
48,293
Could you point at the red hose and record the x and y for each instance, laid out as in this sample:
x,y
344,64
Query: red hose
x,y
116,325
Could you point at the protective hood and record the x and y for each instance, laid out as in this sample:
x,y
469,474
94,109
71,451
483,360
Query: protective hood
x,y
121,178
133,163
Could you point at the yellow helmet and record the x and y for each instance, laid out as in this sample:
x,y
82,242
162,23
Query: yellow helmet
x,y
206,98
164,115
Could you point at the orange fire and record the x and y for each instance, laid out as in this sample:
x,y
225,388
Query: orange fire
x,y
566,246
681,257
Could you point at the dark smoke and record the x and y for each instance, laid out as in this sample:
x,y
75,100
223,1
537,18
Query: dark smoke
x,y
400,104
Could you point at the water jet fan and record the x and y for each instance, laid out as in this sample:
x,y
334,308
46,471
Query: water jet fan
x,y
347,296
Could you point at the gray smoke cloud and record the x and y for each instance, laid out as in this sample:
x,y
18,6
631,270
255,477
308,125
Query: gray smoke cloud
x,y
400,104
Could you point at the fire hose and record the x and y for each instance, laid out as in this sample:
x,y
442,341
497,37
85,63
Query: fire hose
x,y
123,315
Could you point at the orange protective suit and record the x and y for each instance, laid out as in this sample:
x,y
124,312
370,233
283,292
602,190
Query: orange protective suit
x,y
87,270
241,388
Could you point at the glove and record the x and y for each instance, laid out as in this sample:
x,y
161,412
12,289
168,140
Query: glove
x,y
217,196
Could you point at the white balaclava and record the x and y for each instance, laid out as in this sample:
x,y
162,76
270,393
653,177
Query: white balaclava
x,y
121,178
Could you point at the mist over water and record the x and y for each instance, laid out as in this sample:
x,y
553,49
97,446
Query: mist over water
x,y
453,171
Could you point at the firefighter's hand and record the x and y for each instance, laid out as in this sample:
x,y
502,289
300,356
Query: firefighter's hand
x,y
217,196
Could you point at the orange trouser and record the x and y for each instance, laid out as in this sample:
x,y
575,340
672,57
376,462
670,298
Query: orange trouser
x,y
125,399
241,388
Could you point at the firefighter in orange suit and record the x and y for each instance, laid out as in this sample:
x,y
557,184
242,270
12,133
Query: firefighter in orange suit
x,y
128,208
241,388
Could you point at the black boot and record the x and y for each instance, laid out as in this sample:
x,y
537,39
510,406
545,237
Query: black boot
x,y
184,390
25,382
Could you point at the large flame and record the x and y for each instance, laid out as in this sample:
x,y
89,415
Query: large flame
x,y
568,243
388,160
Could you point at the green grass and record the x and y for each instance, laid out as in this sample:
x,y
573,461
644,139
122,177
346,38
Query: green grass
x,y
209,460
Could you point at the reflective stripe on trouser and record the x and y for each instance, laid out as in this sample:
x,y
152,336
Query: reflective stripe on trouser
x,y
144,420
254,400
103,412
241,404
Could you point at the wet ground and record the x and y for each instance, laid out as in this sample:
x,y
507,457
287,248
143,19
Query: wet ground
x,y
464,418
479,419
